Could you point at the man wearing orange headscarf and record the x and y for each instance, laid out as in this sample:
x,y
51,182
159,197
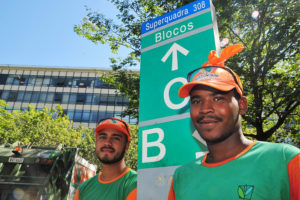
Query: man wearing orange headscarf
x,y
234,167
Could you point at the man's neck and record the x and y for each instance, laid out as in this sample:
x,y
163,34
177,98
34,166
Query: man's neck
x,y
111,171
227,148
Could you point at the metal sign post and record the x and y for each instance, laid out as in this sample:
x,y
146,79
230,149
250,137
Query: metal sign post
x,y
172,45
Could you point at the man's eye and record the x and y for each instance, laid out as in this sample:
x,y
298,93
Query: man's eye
x,y
117,138
218,98
195,101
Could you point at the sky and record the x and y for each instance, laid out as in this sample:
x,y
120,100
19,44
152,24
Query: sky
x,y
40,33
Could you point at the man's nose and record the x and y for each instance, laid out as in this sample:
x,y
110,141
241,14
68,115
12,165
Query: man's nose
x,y
206,107
108,141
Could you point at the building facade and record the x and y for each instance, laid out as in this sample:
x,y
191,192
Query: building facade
x,y
83,97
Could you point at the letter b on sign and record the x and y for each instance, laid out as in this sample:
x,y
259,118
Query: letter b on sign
x,y
157,143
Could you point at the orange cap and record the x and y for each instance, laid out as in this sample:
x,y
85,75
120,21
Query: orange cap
x,y
114,123
215,74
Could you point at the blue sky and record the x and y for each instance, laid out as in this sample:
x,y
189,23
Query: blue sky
x,y
40,33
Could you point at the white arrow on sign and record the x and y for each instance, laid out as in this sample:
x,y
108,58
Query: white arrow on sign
x,y
174,48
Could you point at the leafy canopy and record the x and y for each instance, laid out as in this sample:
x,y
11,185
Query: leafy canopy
x,y
268,66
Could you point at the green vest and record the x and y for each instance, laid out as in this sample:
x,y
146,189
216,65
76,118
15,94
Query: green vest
x,y
258,174
119,189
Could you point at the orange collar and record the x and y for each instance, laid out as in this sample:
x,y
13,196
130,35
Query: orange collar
x,y
227,160
118,177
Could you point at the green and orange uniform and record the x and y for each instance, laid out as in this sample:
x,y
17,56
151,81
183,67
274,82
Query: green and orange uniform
x,y
262,171
121,188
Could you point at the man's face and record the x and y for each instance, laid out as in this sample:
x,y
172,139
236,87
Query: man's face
x,y
215,114
111,146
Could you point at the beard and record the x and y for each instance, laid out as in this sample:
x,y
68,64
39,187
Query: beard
x,y
226,133
117,158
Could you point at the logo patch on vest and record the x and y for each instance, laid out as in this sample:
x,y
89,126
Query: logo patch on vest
x,y
245,192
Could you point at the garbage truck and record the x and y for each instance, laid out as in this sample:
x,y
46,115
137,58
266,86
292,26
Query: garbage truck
x,y
41,172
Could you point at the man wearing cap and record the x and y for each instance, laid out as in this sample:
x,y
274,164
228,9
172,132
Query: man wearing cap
x,y
115,181
234,167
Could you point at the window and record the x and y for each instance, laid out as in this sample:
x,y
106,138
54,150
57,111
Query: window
x,y
65,98
50,97
89,98
43,96
75,82
94,117
12,96
96,99
3,78
35,97
24,80
90,82
77,116
81,83
111,99
5,95
80,98
46,81
27,96
109,114
10,80
31,81
58,82
119,101
97,83
72,99
20,96
57,97
101,115
68,82
70,113
39,81
86,116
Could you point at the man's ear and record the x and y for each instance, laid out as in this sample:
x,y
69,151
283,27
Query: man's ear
x,y
243,103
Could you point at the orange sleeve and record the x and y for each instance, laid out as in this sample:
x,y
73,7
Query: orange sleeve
x,y
76,197
294,177
171,192
132,195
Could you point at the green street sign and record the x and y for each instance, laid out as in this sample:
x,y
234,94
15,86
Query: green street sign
x,y
172,45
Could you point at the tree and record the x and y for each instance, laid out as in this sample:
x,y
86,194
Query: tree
x,y
268,65
49,127
131,155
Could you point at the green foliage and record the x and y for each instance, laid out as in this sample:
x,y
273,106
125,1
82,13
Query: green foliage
x,y
48,127
269,63
268,66
131,155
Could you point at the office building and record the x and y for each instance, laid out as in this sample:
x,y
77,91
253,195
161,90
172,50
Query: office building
x,y
84,98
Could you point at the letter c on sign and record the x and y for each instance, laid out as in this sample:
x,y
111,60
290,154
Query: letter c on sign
x,y
167,94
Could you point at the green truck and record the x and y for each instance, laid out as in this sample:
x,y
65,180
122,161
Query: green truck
x,y
43,173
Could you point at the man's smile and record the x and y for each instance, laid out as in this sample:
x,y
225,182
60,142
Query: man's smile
x,y
107,149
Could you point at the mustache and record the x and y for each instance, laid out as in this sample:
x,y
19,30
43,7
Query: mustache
x,y
103,148
209,117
